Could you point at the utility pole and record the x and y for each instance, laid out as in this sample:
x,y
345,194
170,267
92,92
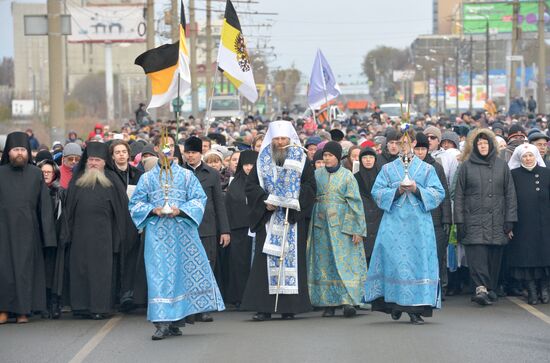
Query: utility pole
x,y
471,73
487,65
175,26
150,36
208,50
444,90
55,62
515,37
193,60
541,98
457,62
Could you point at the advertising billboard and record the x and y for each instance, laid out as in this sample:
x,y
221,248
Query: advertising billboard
x,y
102,24
500,14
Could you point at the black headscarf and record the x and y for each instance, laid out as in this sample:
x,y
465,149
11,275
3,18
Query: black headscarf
x,y
246,157
16,139
367,177
491,153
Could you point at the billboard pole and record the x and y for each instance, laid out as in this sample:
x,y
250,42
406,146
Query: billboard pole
x,y
541,79
487,66
55,63
515,36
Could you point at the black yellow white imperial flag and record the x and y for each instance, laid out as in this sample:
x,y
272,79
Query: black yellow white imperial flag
x,y
164,65
233,58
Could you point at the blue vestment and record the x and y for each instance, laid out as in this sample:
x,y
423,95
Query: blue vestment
x,y
404,266
180,281
337,268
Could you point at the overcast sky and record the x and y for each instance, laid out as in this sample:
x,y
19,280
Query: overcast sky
x,y
345,30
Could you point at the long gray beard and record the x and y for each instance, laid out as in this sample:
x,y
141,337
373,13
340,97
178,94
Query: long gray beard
x,y
92,177
279,156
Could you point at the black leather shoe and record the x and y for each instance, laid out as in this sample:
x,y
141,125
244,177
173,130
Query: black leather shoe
x,y
204,318
532,297
261,317
396,314
500,291
287,316
190,319
174,331
328,313
493,297
163,331
416,319
96,316
349,311
545,291
482,299
515,291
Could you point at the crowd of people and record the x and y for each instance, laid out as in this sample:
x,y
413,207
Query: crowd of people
x,y
275,217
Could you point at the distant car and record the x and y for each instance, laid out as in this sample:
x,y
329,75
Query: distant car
x,y
393,110
226,108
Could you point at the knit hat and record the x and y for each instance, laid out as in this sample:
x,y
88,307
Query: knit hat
x,y
516,130
312,140
72,149
334,148
337,135
434,131
452,137
318,155
422,141
43,155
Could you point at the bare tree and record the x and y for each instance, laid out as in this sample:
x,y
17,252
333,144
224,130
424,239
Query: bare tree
x,y
6,72
286,83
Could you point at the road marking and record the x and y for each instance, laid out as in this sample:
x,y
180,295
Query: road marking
x,y
96,339
534,311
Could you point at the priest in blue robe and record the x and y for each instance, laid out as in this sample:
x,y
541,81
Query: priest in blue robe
x,y
180,281
403,275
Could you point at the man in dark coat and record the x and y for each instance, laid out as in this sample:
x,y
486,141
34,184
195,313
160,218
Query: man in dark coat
x,y
485,211
280,154
441,216
26,227
390,152
215,222
98,221
132,262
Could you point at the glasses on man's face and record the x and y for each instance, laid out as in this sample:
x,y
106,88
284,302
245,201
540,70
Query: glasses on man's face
x,y
72,159
432,137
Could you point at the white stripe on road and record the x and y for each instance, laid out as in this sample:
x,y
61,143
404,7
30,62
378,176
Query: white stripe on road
x,y
534,311
96,339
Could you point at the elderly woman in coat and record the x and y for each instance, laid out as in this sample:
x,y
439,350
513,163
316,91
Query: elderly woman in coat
x,y
529,250
485,210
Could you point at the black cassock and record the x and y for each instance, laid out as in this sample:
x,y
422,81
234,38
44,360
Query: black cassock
x,y
26,227
97,225
240,249
256,296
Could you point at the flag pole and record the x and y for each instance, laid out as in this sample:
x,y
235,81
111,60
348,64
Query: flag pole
x,y
325,89
177,111
209,109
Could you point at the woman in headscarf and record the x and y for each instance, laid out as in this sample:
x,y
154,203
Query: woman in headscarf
x,y
52,174
240,250
368,170
529,250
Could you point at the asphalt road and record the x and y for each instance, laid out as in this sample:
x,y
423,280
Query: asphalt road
x,y
460,332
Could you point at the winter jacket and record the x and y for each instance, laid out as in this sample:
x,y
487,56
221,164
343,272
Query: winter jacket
x,y
485,198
